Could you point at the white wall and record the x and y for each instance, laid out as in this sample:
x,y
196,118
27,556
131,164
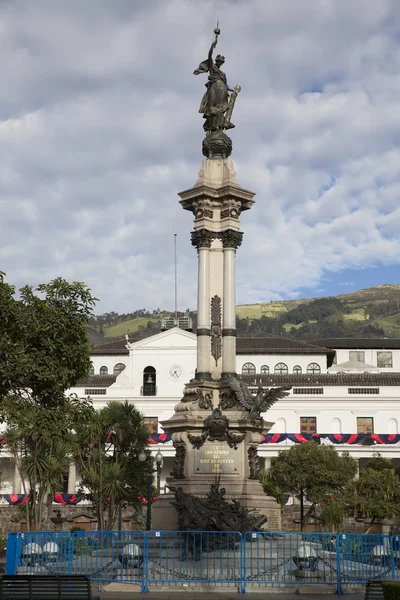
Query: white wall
x,y
343,355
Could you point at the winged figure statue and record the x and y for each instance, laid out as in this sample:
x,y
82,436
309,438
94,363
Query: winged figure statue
x,y
259,403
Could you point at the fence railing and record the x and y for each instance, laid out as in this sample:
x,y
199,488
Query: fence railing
x,y
159,558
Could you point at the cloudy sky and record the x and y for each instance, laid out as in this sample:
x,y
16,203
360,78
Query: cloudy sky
x,y
99,130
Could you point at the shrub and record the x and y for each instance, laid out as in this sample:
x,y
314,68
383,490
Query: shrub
x,y
391,590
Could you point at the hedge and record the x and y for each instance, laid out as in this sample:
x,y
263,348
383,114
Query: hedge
x,y
391,590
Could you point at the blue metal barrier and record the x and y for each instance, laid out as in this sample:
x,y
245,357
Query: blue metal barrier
x,y
160,558
194,556
289,558
104,555
364,557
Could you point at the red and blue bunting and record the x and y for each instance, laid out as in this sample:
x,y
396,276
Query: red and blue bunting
x,y
67,498
160,438
16,499
335,438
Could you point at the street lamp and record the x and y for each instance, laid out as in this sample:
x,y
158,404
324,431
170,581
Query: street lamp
x,y
149,472
159,466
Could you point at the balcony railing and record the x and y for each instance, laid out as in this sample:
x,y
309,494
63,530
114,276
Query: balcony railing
x,y
148,389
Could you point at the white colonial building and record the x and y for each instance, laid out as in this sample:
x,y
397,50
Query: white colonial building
x,y
339,387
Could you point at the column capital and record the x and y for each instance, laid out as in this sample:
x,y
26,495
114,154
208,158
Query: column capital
x,y
202,238
231,238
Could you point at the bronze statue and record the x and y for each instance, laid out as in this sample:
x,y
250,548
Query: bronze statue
x,y
259,403
216,105
210,514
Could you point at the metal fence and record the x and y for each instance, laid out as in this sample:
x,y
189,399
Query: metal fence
x,y
243,562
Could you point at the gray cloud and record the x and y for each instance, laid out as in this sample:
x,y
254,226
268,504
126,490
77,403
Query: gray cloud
x,y
99,130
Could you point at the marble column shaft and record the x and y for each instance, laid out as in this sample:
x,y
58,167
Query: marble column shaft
x,y
203,311
229,313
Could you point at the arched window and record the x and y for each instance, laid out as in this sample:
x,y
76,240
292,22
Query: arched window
x,y
264,370
314,368
281,369
248,369
149,382
91,370
119,367
104,370
297,370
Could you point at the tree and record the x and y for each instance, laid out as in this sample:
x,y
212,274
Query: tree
x,y
312,470
41,442
108,451
376,493
44,350
44,347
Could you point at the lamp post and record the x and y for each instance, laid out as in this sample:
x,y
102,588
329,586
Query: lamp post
x,y
149,472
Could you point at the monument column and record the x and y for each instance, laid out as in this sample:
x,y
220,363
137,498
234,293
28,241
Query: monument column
x,y
202,240
231,240
218,424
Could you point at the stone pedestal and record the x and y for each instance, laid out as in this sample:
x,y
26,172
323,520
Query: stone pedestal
x,y
214,443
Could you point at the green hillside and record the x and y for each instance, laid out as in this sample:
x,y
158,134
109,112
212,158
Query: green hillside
x,y
130,326
372,312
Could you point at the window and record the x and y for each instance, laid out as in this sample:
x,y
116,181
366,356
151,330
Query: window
x,y
385,360
315,391
248,369
96,392
103,371
370,390
264,370
297,370
357,355
91,370
365,425
281,369
151,424
308,424
119,367
314,368
149,382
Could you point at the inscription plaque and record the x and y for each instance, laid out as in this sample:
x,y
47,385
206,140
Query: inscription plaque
x,y
216,458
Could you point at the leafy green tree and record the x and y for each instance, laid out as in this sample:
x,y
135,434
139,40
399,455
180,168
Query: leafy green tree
x,y
44,347
44,350
39,439
376,493
312,470
108,451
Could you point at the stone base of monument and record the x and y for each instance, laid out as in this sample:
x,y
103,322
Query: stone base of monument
x,y
215,439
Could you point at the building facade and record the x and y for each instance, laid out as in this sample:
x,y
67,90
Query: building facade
x,y
338,387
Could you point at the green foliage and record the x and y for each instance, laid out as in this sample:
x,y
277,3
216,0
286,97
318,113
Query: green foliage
x,y
44,350
378,463
391,590
112,470
376,494
316,471
271,488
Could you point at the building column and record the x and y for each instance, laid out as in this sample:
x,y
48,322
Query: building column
x,y
231,241
17,481
72,478
202,240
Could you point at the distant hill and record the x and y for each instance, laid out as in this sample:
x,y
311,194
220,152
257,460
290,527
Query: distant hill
x,y
372,312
